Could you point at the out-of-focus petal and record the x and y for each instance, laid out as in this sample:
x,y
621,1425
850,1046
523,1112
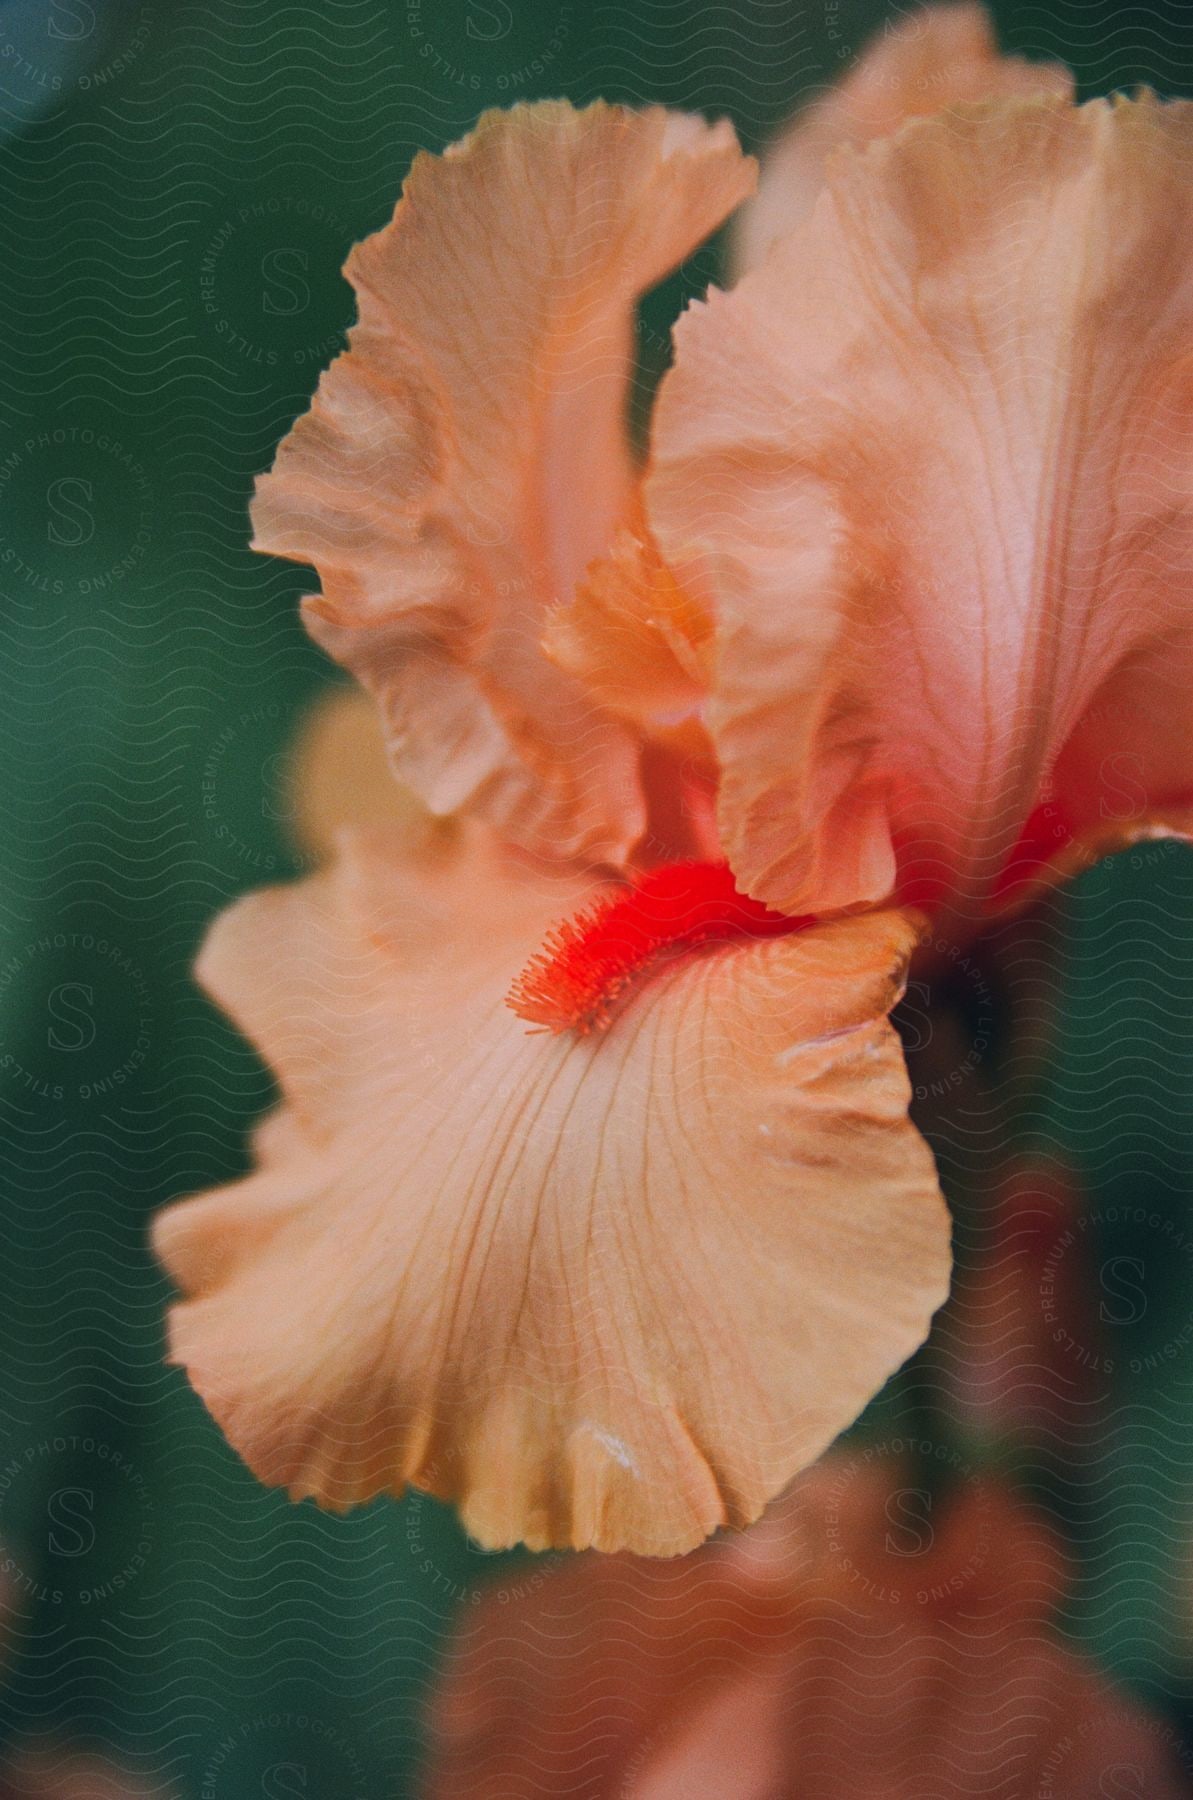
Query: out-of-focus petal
x,y
610,1290
929,469
340,779
51,1771
1020,1348
813,1656
558,1691
935,57
466,458
951,1712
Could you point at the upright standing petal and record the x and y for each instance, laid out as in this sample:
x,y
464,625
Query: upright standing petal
x,y
467,457
1125,774
935,57
929,469
609,1290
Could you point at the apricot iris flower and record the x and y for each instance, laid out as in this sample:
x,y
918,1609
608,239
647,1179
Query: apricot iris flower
x,y
888,622
819,1654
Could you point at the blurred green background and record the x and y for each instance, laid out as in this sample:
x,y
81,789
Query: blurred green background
x,y
180,184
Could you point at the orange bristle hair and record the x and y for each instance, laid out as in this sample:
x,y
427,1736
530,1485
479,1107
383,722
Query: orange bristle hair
x,y
587,962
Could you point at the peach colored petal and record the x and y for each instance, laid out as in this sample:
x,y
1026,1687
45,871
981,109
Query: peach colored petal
x,y
1123,778
634,638
934,58
467,457
642,648
679,780
339,778
1028,874
611,1290
929,469
763,1668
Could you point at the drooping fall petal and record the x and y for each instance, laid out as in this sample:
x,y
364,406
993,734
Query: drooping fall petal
x,y
609,1290
928,469
467,457
822,1655
935,58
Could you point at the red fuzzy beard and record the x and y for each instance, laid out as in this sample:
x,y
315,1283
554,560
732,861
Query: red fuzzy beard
x,y
587,962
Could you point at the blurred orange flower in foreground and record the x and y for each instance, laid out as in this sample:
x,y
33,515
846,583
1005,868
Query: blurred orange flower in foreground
x,y
847,1646
47,1769
868,636
53,1773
